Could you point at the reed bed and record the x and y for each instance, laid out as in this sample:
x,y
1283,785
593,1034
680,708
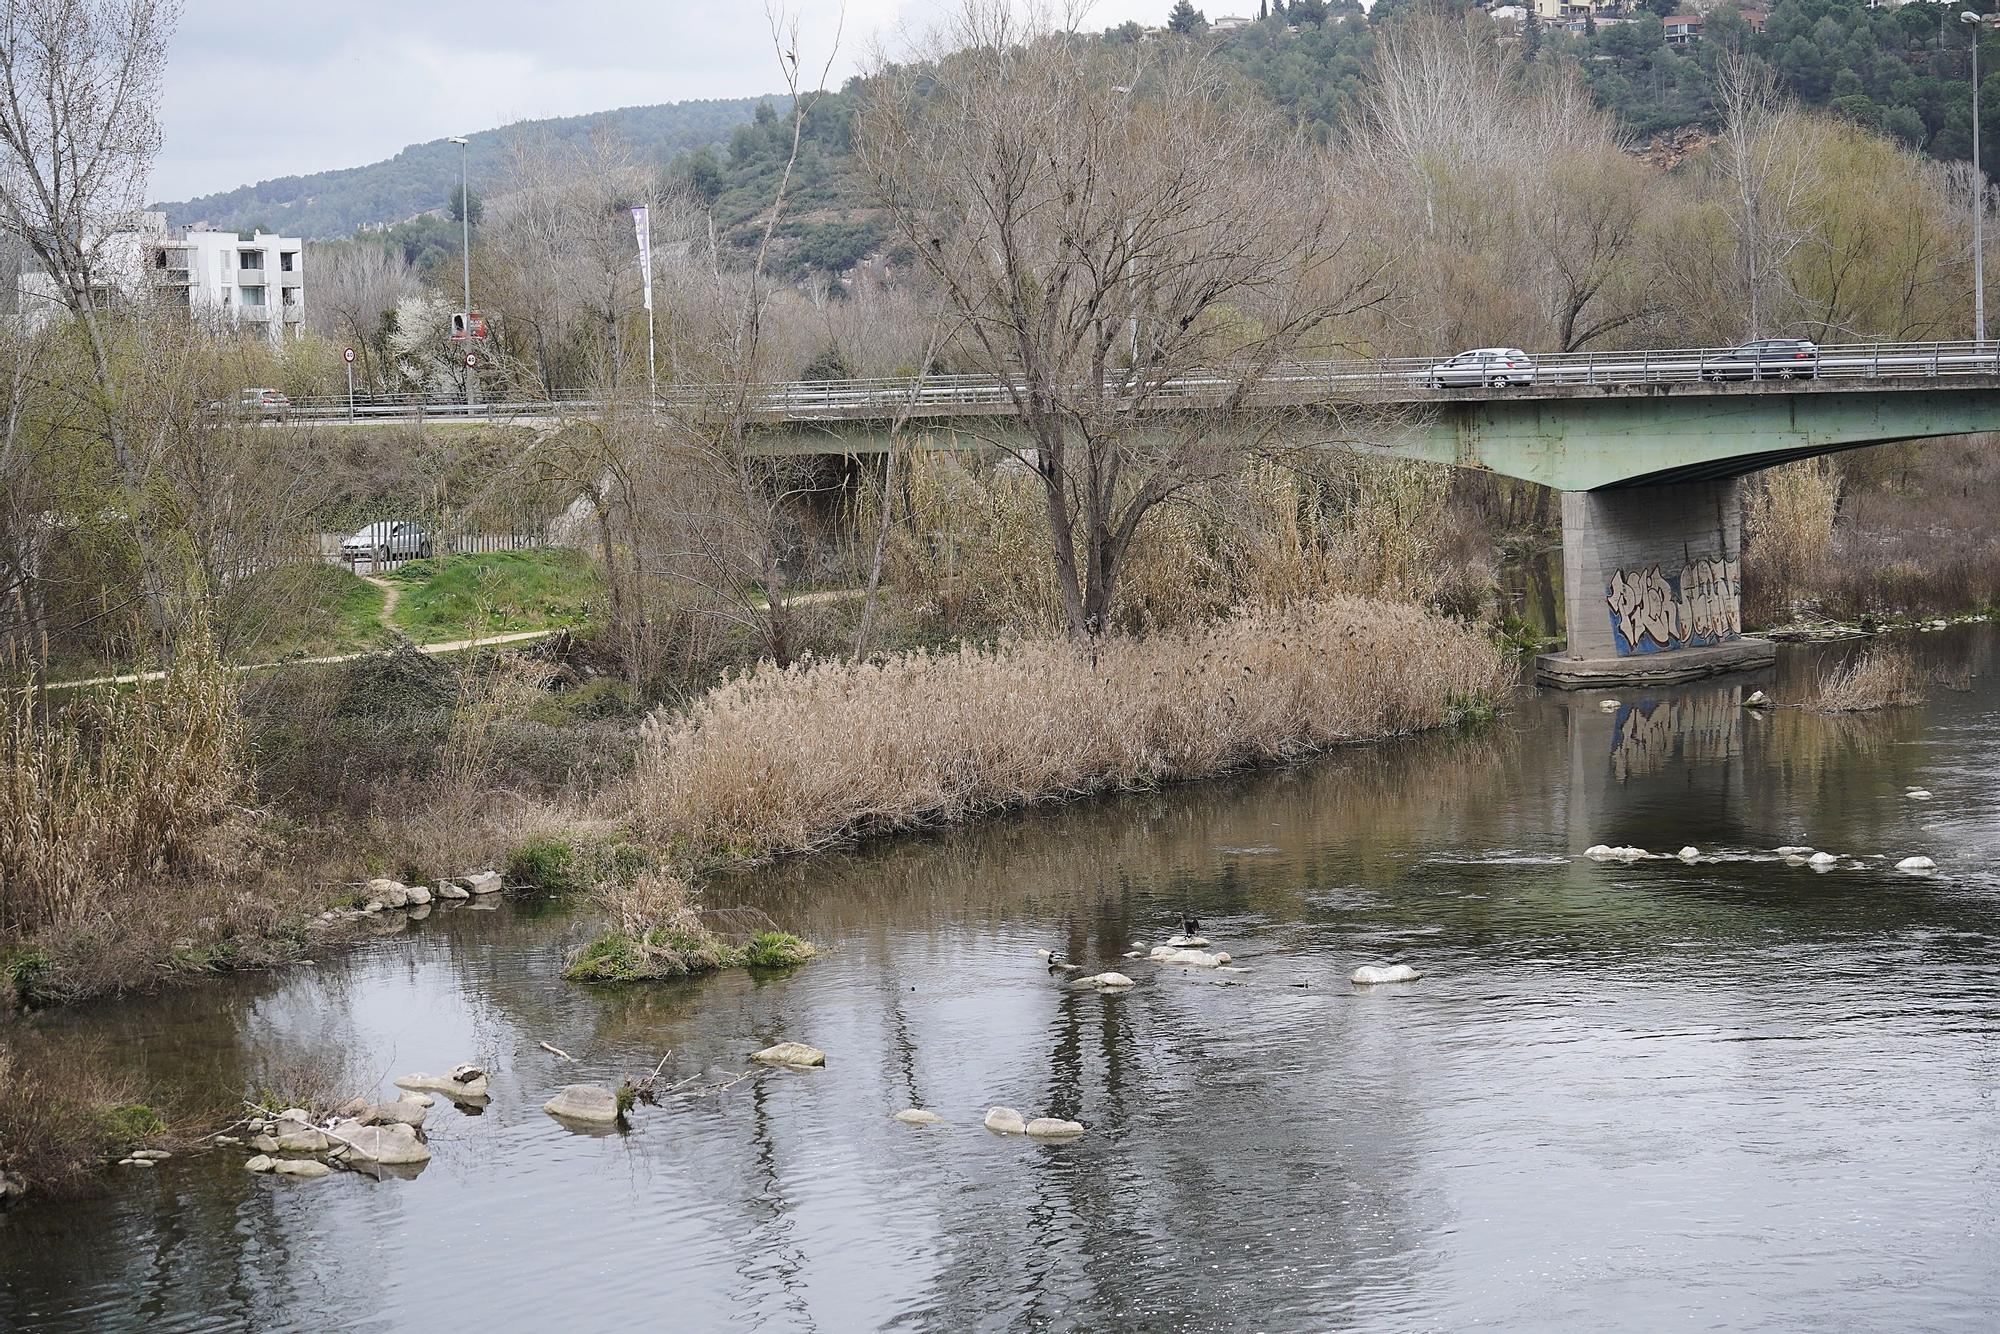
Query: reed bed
x,y
113,789
1878,678
782,761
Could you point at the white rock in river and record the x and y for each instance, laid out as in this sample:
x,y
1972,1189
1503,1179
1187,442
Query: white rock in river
x,y
917,1116
155,1154
1106,981
1223,958
1188,942
419,895
1191,958
1795,860
790,1053
482,882
264,1144
1916,864
420,1099
1757,699
391,1145
1134,954
300,1167
1598,852
261,1163
1822,859
389,893
1792,850
1049,1127
1370,974
450,891
1689,854
1005,1121
296,1134
591,1103
1918,794
1139,945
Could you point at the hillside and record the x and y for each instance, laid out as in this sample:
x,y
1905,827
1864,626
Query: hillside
x,y
331,204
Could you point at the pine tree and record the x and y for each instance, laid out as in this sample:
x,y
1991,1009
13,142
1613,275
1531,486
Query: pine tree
x,y
1531,34
1186,19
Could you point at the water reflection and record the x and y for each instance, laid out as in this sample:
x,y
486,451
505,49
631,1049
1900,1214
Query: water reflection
x,y
1742,1092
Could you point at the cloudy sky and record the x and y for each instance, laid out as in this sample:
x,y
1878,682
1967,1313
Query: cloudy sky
x,y
257,91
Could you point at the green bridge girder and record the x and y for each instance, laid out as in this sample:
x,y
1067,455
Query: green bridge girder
x,y
1569,437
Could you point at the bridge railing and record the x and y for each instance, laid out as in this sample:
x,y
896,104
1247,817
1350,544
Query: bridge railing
x,y
1304,381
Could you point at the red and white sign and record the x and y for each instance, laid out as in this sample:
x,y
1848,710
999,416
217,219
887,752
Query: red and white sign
x,y
347,354
471,360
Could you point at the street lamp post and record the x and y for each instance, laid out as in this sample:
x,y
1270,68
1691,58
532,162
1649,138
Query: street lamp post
x,y
465,250
1978,21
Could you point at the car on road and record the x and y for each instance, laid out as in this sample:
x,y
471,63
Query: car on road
x,y
253,403
1766,359
1491,366
391,539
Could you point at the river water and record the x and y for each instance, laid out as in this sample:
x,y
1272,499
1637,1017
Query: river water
x,y
1732,1094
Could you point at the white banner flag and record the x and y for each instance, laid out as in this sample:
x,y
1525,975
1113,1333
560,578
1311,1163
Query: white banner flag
x,y
642,224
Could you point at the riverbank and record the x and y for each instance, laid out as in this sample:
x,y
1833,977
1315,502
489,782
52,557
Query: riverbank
x,y
1555,987
772,763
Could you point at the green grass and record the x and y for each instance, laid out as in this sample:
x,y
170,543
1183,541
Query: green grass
x,y
304,610
495,592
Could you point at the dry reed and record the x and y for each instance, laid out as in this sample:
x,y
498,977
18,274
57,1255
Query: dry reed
x,y
114,788
1878,678
787,761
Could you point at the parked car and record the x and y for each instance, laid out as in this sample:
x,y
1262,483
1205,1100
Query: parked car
x,y
392,539
253,402
1494,366
1767,358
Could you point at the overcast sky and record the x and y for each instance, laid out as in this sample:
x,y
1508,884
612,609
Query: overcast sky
x,y
257,91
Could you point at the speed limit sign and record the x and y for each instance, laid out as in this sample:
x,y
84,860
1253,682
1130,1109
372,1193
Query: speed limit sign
x,y
471,360
347,354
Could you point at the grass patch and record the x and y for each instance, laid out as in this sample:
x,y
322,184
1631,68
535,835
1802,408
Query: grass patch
x,y
669,952
776,949
494,592
310,609
63,1113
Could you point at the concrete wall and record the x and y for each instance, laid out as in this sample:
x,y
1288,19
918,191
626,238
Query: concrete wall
x,y
1652,569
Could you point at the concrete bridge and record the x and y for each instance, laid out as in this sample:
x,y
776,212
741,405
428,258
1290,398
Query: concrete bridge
x,y
1648,449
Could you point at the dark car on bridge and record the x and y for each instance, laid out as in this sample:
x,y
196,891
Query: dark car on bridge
x,y
1766,359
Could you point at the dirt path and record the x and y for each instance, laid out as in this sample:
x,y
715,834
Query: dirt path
x,y
447,646
392,593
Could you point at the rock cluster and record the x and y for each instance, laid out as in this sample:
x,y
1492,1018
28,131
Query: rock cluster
x,y
1007,1121
382,895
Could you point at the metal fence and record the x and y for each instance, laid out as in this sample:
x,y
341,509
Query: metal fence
x,y
396,549
1389,379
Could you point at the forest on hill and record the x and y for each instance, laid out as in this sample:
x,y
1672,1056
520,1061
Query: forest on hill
x,y
329,204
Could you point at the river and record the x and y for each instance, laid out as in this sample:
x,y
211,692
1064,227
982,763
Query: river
x,y
1732,1094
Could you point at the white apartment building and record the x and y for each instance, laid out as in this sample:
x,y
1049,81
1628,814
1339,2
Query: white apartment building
x,y
259,282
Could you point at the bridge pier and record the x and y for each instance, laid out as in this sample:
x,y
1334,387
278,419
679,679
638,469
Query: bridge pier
x,y
1652,586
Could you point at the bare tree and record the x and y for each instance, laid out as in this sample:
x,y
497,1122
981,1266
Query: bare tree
x,y
356,287
1767,161
79,85
1106,226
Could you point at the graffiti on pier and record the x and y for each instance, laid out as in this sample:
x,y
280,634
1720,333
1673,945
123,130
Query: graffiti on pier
x,y
1652,612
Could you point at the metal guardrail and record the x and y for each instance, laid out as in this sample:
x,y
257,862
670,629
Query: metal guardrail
x,y
1389,378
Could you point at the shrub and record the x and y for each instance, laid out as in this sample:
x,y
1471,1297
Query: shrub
x,y
62,1115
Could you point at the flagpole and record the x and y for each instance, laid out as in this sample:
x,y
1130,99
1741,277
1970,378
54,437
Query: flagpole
x,y
642,225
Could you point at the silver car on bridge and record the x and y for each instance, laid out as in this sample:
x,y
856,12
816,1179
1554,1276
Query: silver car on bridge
x,y
1494,367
